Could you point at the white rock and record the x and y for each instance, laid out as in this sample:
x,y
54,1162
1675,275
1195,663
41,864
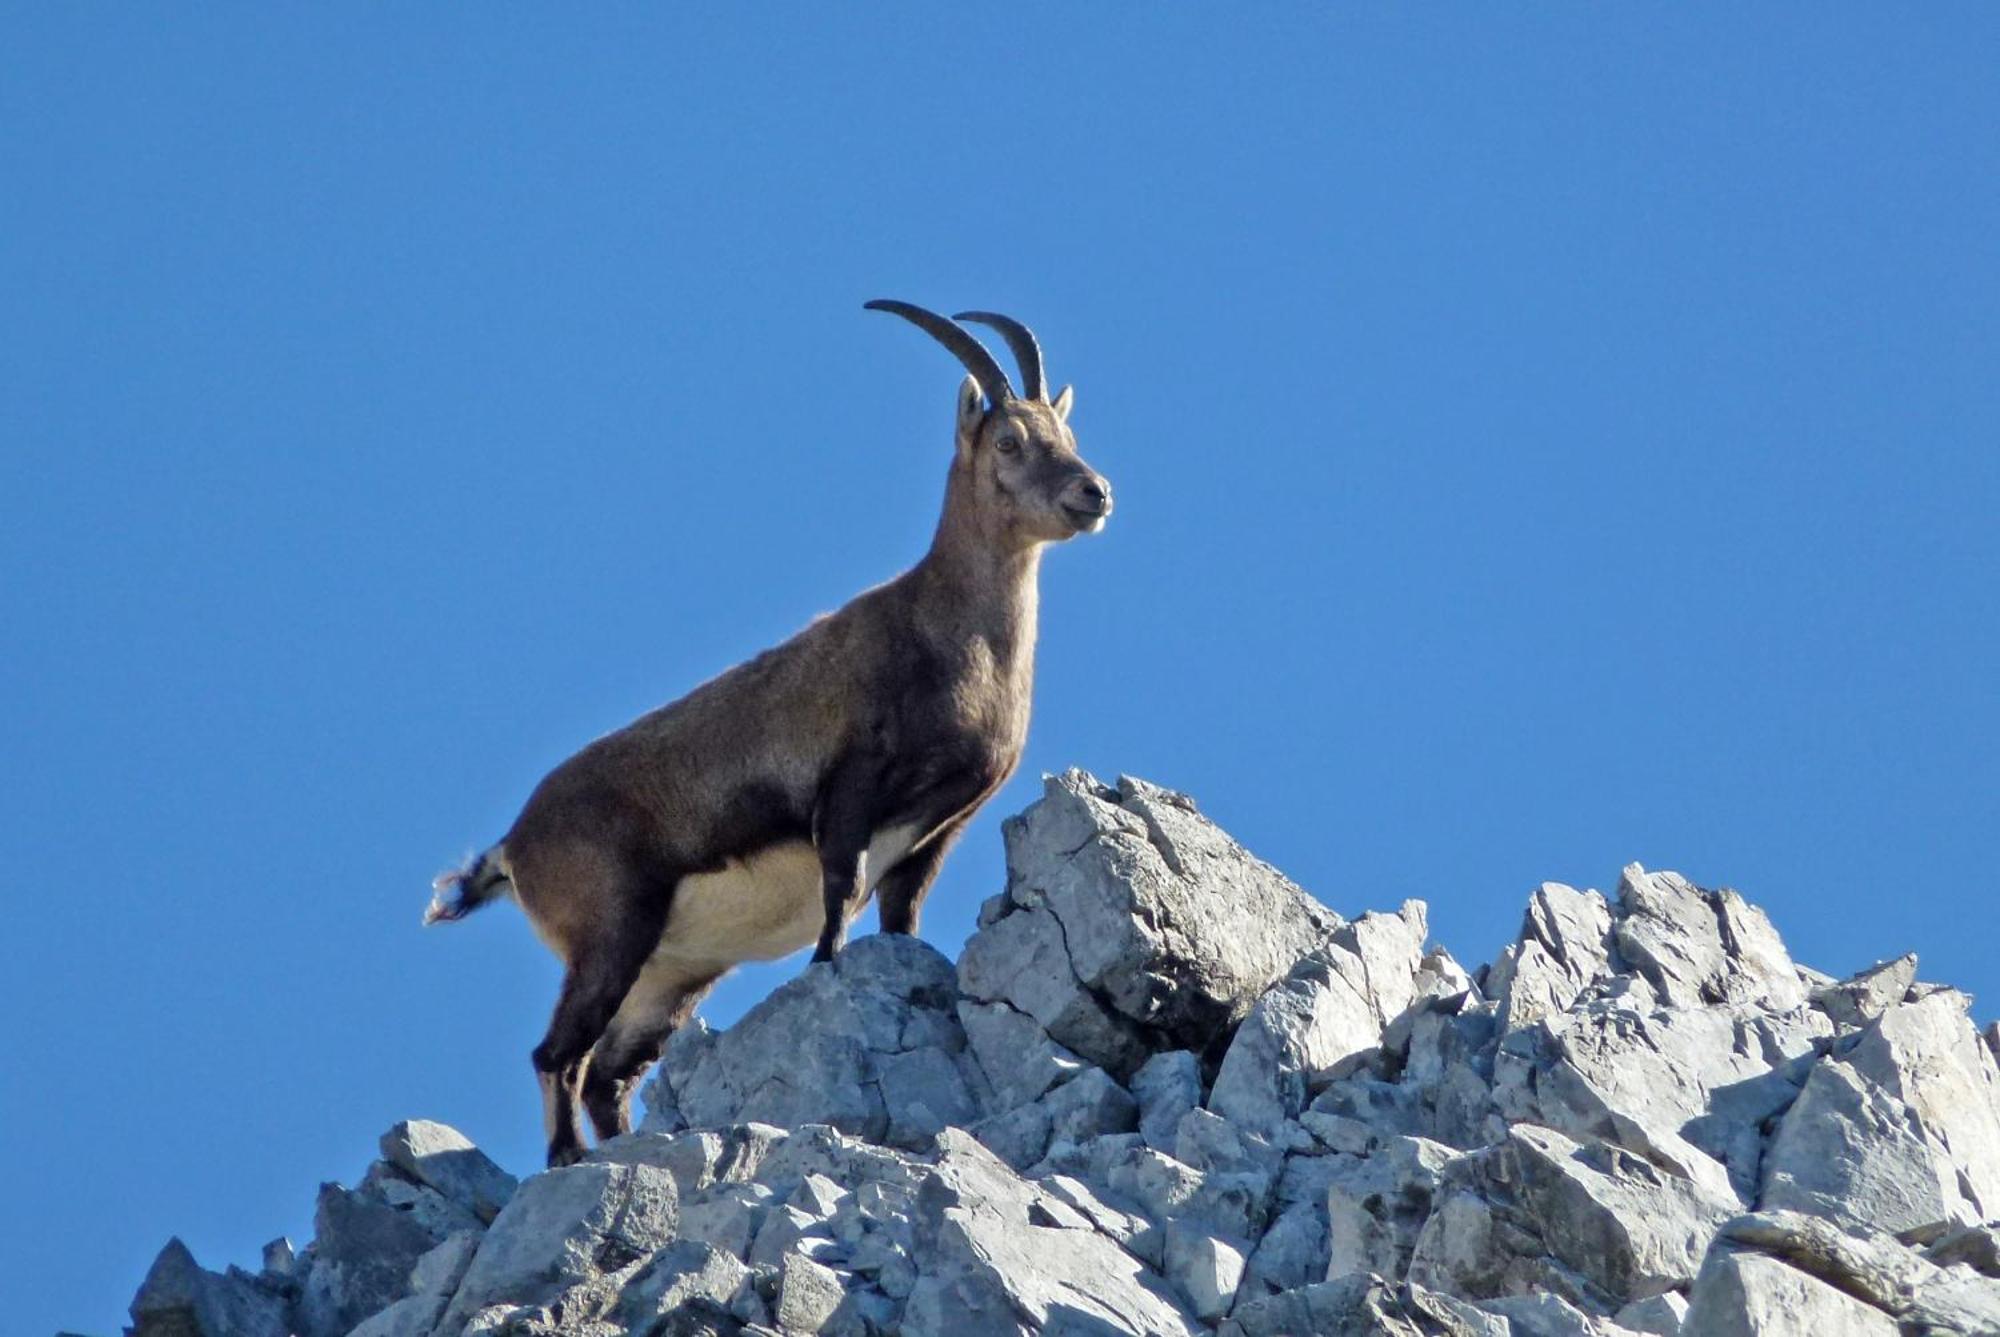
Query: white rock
x,y
985,1267
687,1273
1928,1055
1847,1147
1749,1295
923,1093
1167,1086
1305,1029
1592,1222
1019,1137
1873,1266
1661,1315
1016,1054
1978,1247
1563,949
1361,1306
807,1295
727,1216
1022,962
1376,1204
1088,1106
832,1046
1156,911
1696,947
432,1281
1204,1267
1293,1252
440,1156
563,1227
437,1214
1544,1315
1866,995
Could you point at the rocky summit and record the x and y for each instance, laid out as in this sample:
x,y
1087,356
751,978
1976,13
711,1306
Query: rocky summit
x,y
1164,1090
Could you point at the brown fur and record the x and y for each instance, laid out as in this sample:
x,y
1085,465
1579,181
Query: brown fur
x,y
890,720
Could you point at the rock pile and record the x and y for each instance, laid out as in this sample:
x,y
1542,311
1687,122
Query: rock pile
x,y
1165,1091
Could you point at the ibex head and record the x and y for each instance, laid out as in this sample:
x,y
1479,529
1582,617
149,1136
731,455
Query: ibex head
x,y
1015,452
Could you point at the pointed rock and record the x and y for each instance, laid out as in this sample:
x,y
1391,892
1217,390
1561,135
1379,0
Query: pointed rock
x,y
1862,997
563,1228
1161,919
443,1158
180,1299
1696,947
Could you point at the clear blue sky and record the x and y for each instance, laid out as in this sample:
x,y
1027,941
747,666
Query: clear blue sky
x,y
1543,439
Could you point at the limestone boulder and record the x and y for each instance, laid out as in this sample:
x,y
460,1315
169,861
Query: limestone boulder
x,y
870,1043
1132,924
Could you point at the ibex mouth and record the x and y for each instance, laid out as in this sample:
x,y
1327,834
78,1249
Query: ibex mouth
x,y
1087,521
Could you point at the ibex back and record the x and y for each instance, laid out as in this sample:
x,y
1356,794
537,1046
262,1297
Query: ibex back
x,y
759,812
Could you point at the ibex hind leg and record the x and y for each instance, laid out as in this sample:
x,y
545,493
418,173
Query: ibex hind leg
x,y
660,1003
598,979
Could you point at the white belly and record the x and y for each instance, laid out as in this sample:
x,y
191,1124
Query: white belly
x,y
766,906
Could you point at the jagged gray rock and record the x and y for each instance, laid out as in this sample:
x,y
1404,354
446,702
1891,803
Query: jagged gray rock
x,y
1978,1247
870,1043
996,1257
1166,1086
1019,1060
1663,1315
1205,1267
1133,924
433,1281
1593,1223
1748,1295
1697,947
1376,1203
1545,1315
1362,1306
1866,995
1899,1126
687,1277
363,1254
1163,1090
1873,1267
1564,948
564,1228
179,1298
444,1159
1327,1013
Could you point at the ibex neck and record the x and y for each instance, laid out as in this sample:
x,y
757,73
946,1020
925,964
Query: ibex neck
x,y
981,583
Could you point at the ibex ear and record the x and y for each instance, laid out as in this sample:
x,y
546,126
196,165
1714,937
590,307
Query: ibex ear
x,y
971,412
1063,402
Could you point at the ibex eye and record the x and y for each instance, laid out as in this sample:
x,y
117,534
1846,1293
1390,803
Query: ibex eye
x,y
1006,445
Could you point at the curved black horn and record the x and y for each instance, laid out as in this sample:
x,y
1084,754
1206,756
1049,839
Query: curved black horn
x,y
966,348
1026,351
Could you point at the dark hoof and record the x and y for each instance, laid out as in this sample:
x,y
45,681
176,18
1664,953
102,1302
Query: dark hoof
x,y
561,1156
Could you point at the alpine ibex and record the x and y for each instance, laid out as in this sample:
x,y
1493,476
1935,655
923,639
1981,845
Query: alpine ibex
x,y
760,811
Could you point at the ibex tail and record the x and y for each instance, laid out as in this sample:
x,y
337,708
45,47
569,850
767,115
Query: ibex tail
x,y
457,892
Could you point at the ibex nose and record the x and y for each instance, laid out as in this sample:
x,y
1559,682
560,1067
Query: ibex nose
x,y
1088,503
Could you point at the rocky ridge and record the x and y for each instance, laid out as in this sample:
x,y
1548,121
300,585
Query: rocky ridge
x,y
1163,1090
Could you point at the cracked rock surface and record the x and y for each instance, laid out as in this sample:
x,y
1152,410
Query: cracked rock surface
x,y
1165,1090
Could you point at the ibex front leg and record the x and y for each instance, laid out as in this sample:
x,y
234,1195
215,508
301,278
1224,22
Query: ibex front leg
x,y
842,828
901,889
